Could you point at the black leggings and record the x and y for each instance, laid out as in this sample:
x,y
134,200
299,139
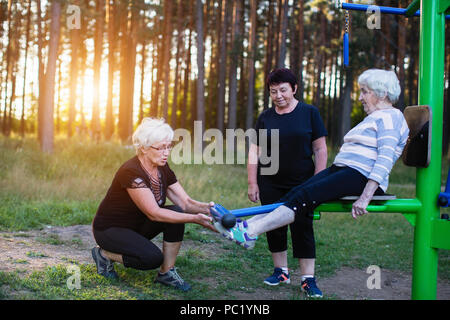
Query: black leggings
x,y
137,250
302,232
330,184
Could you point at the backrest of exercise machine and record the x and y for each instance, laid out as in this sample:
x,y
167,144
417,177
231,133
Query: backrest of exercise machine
x,y
417,149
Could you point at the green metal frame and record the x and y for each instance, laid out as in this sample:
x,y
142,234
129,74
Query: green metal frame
x,y
428,184
430,232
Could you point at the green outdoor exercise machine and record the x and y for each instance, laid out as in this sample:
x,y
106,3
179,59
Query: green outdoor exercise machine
x,y
431,232
423,151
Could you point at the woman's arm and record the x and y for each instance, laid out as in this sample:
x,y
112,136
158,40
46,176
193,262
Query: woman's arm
x,y
178,196
360,205
252,171
145,201
319,147
388,137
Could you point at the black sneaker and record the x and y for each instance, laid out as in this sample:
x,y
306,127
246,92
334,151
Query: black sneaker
x,y
105,267
310,288
173,279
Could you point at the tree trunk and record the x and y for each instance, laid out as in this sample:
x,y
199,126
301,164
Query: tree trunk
x,y
277,35
200,65
222,67
47,123
154,109
58,99
11,98
41,74
27,39
141,93
83,128
242,97
401,60
178,62
251,64
346,105
111,20
269,52
127,72
284,7
320,57
412,66
98,51
235,53
167,36
15,55
75,43
387,26
187,70
8,68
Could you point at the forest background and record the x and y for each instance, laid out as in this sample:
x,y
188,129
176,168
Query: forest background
x,y
95,68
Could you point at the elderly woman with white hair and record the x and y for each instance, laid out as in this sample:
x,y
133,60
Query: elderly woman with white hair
x,y
133,211
361,168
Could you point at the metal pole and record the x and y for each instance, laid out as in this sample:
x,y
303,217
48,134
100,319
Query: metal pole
x,y
388,10
394,206
364,7
431,91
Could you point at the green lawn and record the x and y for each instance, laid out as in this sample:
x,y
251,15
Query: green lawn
x,y
66,188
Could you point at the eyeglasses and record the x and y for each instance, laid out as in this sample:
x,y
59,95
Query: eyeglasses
x,y
163,148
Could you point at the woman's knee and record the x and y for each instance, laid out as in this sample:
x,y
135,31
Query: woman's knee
x,y
174,232
151,261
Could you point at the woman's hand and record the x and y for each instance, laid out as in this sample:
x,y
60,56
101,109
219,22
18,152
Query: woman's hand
x,y
252,173
253,192
359,207
204,221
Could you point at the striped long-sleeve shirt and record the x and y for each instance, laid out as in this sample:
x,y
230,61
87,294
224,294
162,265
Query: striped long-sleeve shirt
x,y
374,145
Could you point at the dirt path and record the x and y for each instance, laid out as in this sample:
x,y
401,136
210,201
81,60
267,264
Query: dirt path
x,y
37,249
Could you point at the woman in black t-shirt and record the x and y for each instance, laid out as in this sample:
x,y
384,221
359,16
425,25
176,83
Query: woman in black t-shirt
x,y
301,137
133,210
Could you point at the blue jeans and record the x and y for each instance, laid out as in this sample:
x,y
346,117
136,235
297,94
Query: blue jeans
x,y
330,184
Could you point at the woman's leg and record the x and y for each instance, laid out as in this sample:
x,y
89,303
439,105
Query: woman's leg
x,y
170,252
115,257
330,184
129,247
336,183
172,238
276,239
303,244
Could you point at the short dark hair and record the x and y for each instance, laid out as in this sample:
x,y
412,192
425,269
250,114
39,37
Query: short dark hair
x,y
281,75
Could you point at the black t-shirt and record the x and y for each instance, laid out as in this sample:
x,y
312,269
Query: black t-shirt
x,y
297,130
117,208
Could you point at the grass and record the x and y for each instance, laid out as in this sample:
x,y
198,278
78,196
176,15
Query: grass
x,y
65,189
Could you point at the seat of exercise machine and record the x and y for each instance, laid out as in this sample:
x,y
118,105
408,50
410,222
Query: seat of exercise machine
x,y
417,149
383,197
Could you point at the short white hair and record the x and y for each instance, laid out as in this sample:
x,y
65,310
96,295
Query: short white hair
x,y
149,132
383,83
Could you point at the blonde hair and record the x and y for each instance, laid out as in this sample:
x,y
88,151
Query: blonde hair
x,y
149,132
383,83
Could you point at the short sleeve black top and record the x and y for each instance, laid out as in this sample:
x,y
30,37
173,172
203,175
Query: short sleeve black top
x,y
297,130
117,208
